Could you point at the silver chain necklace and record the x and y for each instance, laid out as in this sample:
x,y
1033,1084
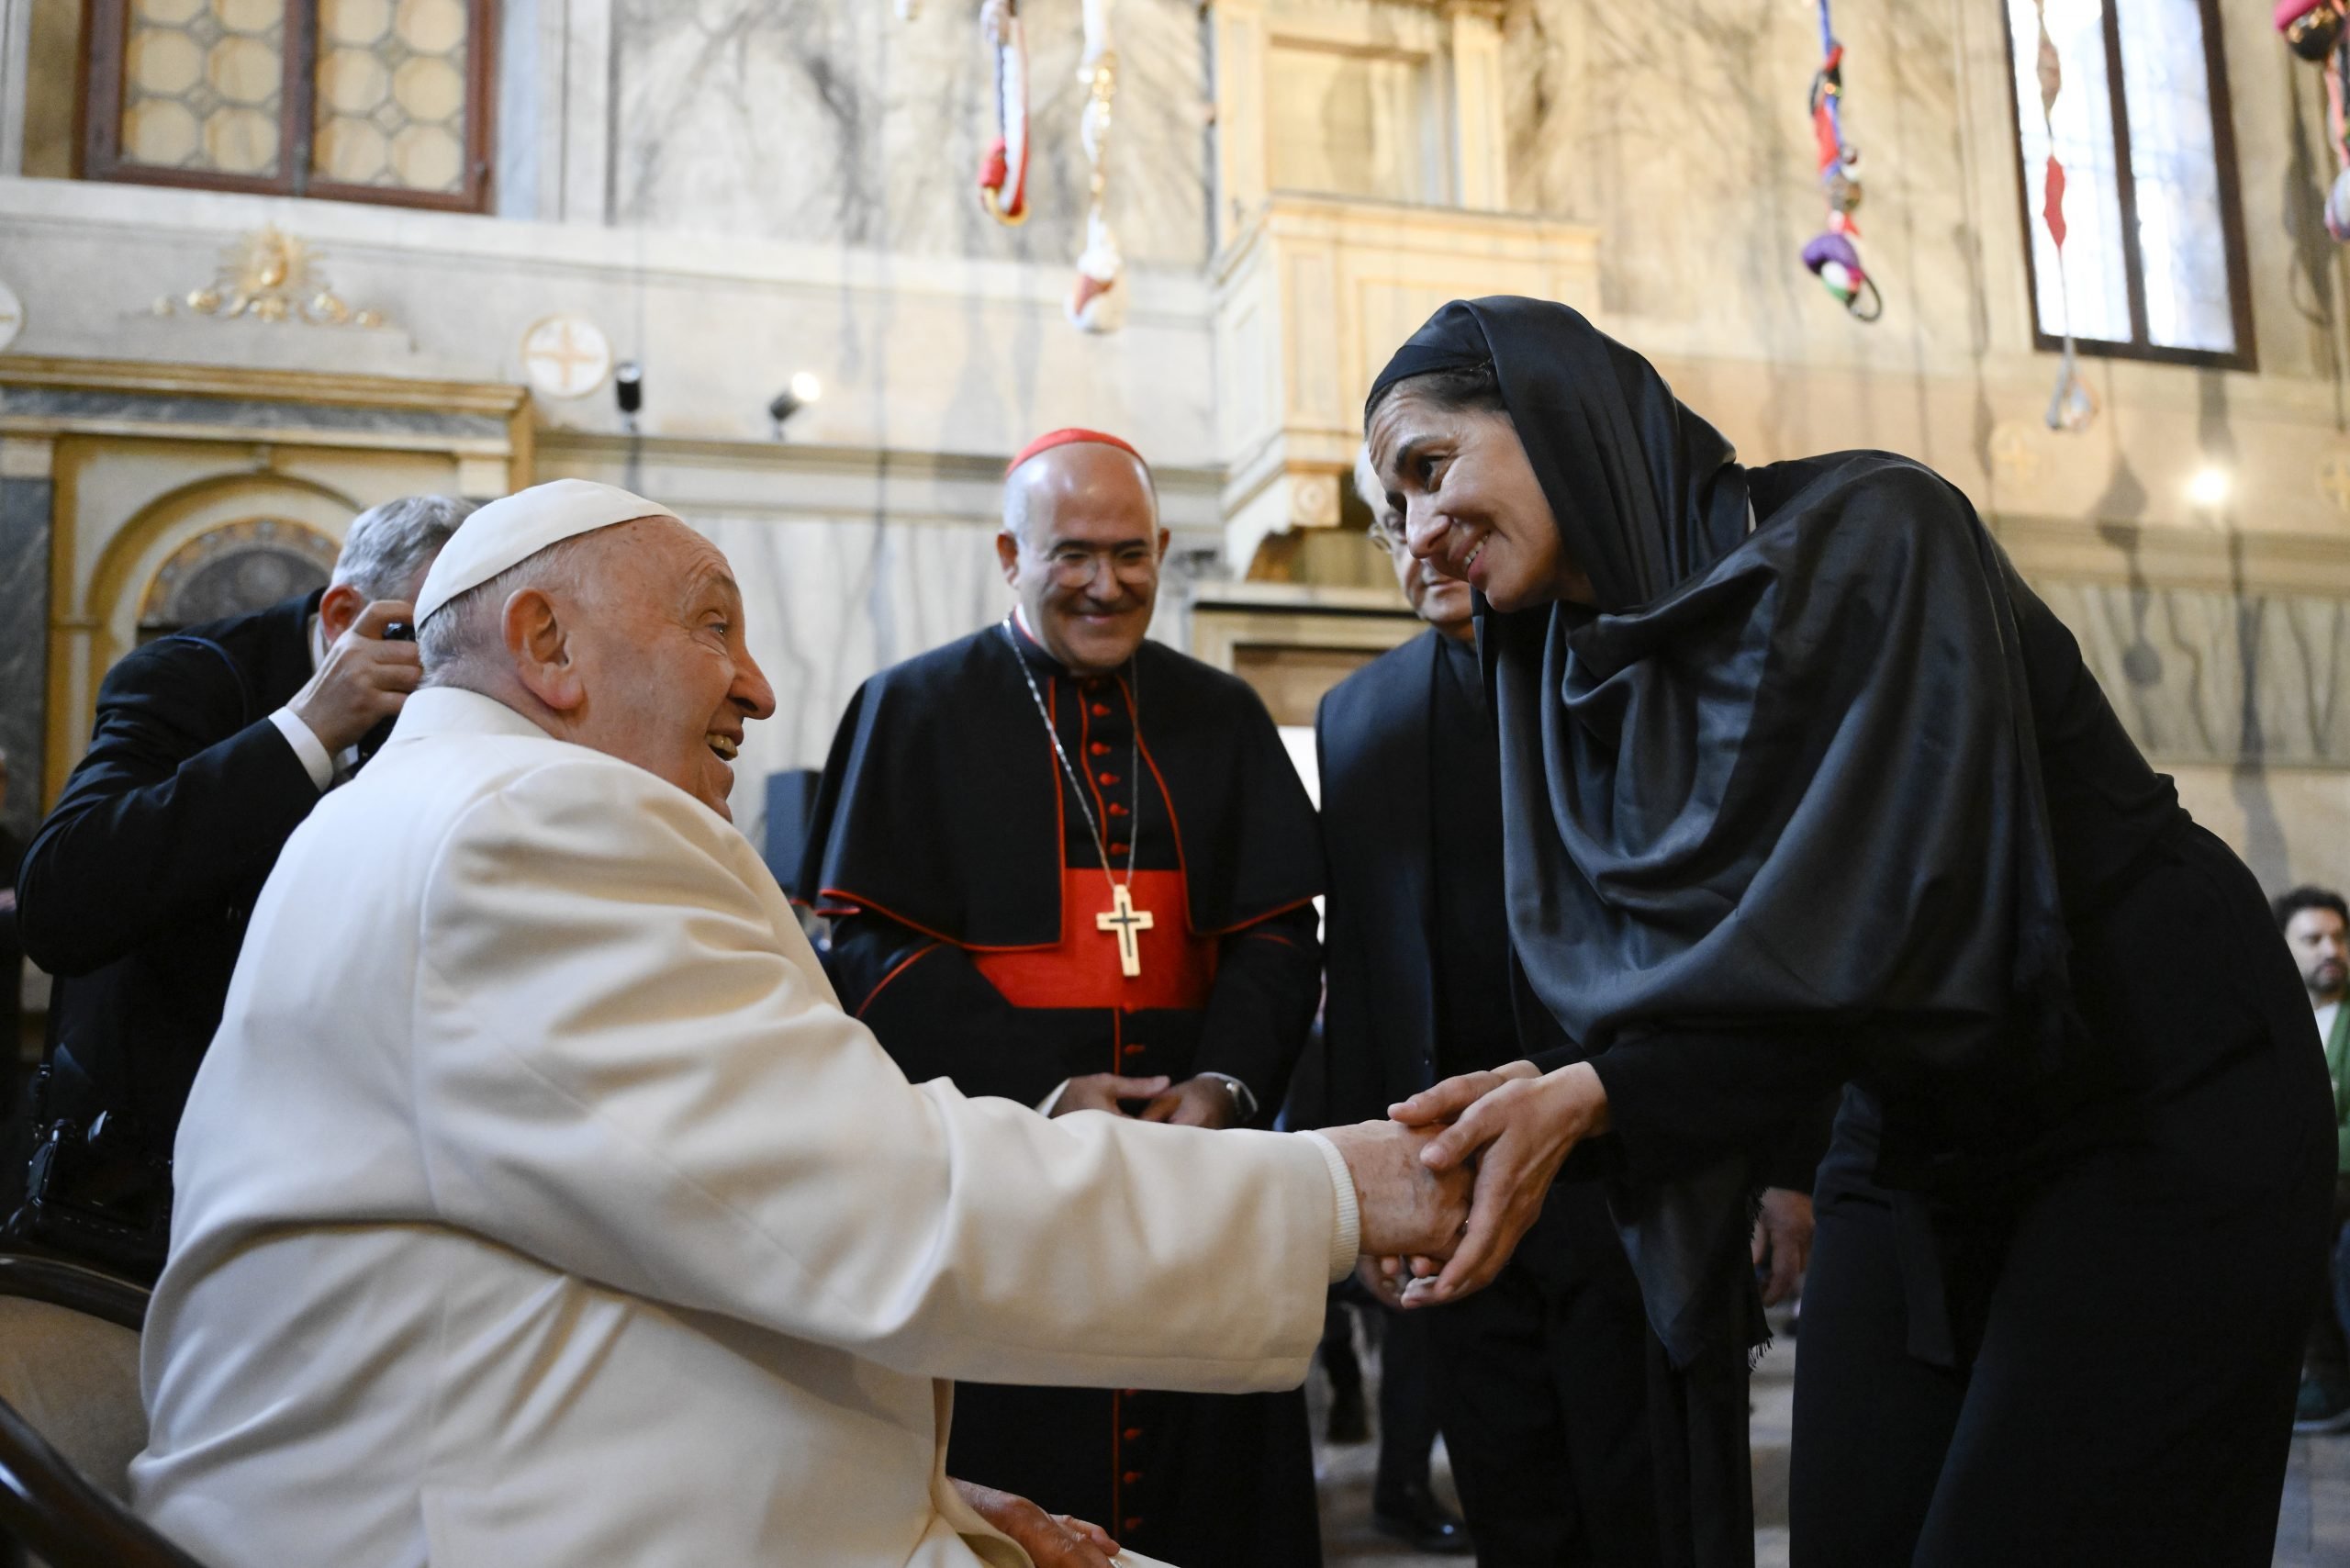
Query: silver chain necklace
x,y
1077,784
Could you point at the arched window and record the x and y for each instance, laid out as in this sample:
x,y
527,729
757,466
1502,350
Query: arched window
x,y
2154,254
234,570
358,100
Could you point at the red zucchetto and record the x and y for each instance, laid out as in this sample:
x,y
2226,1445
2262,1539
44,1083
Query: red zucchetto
x,y
1071,437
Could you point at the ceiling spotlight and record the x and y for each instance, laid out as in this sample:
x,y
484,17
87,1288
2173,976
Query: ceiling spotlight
x,y
805,388
2209,488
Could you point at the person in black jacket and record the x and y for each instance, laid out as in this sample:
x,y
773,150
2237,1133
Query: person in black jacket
x,y
1540,1378
1803,787
210,748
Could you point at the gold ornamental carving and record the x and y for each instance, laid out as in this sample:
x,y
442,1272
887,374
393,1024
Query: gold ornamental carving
x,y
271,275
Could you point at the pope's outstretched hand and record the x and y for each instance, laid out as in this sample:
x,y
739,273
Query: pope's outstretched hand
x,y
1407,1206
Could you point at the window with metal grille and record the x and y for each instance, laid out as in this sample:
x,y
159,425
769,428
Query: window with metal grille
x,y
357,100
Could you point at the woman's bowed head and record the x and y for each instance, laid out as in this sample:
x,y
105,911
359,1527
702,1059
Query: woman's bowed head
x,y
1455,471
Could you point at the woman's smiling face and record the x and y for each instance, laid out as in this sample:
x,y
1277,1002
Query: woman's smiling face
x,y
1470,502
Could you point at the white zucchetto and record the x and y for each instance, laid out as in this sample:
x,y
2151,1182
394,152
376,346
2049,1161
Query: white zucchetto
x,y
509,532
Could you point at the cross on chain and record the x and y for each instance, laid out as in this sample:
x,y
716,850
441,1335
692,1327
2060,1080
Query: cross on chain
x,y
1128,922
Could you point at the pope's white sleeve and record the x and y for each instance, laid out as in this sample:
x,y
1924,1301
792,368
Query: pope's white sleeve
x,y
631,1067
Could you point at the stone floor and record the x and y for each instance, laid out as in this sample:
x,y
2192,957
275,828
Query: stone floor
x,y
2312,1526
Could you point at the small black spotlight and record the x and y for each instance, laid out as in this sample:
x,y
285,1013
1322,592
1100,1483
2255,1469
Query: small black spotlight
x,y
628,389
805,388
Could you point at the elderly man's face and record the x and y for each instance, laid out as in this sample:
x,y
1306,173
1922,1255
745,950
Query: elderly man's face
x,y
1085,563
669,680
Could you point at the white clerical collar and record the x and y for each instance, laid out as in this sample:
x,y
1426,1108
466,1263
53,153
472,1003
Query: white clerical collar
x,y
452,709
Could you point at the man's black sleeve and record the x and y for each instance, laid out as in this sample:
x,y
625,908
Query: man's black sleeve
x,y
934,1014
179,807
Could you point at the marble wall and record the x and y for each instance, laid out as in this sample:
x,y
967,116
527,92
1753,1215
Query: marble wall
x,y
24,501
816,121
1686,142
831,601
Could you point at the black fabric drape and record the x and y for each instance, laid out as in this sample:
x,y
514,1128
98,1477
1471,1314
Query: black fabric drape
x,y
1776,779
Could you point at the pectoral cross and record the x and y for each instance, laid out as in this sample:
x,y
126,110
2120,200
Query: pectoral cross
x,y
1128,922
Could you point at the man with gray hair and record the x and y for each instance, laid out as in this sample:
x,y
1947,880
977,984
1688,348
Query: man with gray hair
x,y
212,746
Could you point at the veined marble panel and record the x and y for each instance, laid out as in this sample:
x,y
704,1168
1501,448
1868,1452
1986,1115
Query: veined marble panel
x,y
83,404
24,647
819,121
2203,676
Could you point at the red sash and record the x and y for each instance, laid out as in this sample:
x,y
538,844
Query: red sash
x,y
1082,970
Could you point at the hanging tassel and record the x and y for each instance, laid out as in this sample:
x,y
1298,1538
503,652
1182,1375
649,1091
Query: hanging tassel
x,y
2071,404
1833,255
1003,168
1097,297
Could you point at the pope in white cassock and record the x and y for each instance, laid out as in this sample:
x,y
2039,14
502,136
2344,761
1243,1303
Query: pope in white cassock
x,y
537,1205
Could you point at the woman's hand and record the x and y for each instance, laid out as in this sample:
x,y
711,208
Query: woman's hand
x,y
1517,1125
1782,1228
1443,1102
1051,1540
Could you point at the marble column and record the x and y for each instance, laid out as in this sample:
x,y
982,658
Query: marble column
x,y
25,495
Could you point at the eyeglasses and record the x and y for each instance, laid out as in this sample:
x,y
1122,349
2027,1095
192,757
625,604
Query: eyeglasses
x,y
1075,565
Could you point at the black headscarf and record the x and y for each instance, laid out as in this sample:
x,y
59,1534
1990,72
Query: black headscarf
x,y
1782,779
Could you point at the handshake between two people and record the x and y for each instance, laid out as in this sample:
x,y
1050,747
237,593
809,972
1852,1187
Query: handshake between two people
x,y
1449,1187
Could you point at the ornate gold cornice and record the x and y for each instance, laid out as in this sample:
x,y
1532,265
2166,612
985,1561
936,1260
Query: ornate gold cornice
x,y
501,398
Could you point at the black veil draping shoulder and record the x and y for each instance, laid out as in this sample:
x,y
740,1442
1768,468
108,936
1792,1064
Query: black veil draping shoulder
x,y
1781,778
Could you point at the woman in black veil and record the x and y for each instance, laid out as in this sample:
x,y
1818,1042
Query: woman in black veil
x,y
1803,787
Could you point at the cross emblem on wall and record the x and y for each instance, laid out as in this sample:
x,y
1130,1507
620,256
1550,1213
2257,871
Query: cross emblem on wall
x,y
2333,480
565,356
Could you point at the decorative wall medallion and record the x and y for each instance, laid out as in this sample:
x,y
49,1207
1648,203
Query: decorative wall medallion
x,y
12,315
2013,456
2332,471
1314,500
565,356
271,275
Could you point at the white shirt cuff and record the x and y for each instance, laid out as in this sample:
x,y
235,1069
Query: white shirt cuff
x,y
1345,1239
1045,1106
316,762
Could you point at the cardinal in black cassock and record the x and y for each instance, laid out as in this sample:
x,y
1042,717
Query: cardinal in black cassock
x,y
1075,868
